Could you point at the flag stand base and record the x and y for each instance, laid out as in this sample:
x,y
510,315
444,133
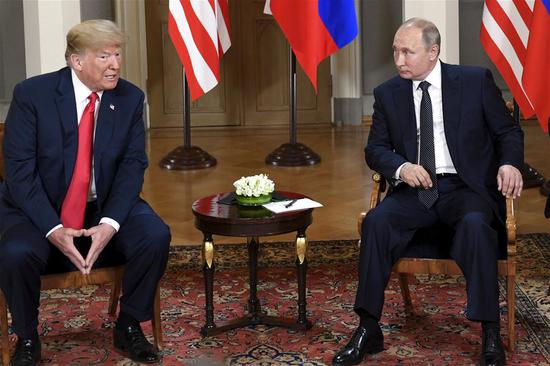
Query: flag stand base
x,y
295,154
545,188
531,177
187,158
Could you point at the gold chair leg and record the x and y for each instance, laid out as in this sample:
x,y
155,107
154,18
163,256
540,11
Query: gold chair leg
x,y
404,284
511,300
157,327
5,340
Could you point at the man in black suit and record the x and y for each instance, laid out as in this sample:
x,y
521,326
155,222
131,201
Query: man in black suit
x,y
74,151
442,136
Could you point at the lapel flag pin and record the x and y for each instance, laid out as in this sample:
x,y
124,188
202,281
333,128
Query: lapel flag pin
x,y
112,107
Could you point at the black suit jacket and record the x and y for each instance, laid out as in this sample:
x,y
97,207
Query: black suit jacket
x,y
40,147
480,133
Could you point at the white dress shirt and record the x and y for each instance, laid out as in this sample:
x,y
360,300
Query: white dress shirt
x,y
443,161
81,94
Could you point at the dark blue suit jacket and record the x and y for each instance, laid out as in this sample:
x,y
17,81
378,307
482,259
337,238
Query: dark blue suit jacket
x,y
40,146
481,134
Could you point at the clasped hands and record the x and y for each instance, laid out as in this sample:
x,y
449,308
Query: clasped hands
x,y
63,239
509,180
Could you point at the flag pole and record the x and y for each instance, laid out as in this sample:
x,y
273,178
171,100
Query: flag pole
x,y
187,157
531,177
293,106
545,188
186,113
292,153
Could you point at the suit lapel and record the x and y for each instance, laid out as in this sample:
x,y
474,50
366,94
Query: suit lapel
x,y
404,105
450,85
66,109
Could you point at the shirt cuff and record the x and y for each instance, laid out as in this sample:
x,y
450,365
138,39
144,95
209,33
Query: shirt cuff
x,y
53,229
398,171
113,223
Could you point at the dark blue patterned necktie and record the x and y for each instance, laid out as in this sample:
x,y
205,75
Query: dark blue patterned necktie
x,y
427,152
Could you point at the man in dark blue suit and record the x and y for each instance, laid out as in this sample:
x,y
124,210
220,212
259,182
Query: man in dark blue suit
x,y
442,136
47,156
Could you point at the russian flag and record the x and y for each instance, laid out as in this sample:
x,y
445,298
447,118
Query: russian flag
x,y
315,29
536,72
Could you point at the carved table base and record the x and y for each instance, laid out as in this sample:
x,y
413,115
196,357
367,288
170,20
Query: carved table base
x,y
255,315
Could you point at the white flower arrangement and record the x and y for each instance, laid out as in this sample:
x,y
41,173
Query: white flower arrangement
x,y
254,186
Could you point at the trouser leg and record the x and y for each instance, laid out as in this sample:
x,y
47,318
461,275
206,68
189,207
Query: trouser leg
x,y
386,231
143,241
475,249
23,256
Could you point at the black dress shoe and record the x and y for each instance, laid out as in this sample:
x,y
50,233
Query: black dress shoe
x,y
134,345
492,353
361,342
27,353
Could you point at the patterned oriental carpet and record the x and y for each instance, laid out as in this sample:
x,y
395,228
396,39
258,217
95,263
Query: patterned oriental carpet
x,y
76,329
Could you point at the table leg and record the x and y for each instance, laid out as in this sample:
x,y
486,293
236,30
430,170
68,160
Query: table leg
x,y
253,302
208,272
254,315
301,265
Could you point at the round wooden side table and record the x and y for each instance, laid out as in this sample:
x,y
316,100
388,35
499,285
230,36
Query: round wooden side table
x,y
213,217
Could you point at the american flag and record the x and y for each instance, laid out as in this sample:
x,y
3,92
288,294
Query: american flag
x,y
200,32
516,36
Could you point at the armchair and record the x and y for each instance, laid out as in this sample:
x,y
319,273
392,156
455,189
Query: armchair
x,y
108,275
419,259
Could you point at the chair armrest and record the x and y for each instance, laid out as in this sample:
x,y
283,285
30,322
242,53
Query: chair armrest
x,y
378,187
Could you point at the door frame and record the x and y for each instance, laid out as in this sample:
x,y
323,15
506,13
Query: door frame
x,y
130,16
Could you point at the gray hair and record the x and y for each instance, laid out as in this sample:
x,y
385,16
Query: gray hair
x,y
93,35
430,33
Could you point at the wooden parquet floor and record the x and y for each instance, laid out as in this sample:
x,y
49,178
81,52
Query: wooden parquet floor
x,y
341,182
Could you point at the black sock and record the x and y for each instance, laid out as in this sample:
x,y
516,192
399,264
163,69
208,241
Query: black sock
x,y
125,320
369,322
485,325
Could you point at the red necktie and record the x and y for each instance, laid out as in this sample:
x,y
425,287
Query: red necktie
x,y
74,205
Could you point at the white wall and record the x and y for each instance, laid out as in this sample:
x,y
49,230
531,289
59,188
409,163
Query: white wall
x,y
46,25
444,14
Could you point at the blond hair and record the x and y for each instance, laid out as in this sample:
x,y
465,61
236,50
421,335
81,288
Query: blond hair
x,y
93,35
